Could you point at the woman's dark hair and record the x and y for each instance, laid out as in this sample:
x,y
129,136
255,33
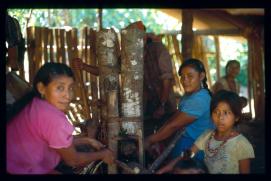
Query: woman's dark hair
x,y
229,97
199,67
229,63
45,75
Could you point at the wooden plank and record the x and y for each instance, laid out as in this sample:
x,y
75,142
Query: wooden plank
x,y
219,32
45,43
51,43
57,43
38,49
62,46
217,55
31,51
93,80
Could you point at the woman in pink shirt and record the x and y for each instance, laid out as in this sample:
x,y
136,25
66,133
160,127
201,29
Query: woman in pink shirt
x,y
39,135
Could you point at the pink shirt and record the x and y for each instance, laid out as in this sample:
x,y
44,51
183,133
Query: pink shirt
x,y
32,134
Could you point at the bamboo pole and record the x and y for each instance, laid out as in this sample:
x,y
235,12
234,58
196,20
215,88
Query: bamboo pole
x,y
51,43
57,40
45,43
94,85
38,50
62,46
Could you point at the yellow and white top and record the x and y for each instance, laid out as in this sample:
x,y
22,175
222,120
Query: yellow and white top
x,y
224,158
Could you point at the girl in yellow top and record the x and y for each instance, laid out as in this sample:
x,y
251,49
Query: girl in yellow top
x,y
226,150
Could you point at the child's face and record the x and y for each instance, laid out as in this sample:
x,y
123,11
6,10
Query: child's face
x,y
223,117
58,92
191,79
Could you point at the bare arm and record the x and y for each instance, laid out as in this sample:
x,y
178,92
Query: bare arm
x,y
74,159
176,122
88,141
78,64
244,166
169,167
91,69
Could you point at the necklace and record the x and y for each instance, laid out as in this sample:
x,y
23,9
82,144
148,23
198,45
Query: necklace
x,y
211,152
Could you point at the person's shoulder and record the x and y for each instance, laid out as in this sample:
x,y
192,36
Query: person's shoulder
x,y
241,139
45,107
203,93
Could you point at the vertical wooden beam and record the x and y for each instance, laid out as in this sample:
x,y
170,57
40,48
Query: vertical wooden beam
x,y
106,44
93,125
62,46
100,19
132,85
51,43
217,55
187,33
30,51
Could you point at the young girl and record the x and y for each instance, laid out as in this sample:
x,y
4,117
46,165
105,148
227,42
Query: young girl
x,y
194,109
39,135
226,150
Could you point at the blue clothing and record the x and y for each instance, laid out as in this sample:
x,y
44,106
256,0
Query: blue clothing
x,y
198,106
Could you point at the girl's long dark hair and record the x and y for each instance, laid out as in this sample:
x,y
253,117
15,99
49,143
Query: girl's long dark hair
x,y
45,75
199,67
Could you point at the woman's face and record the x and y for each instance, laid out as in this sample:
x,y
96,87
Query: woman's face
x,y
223,117
59,92
234,69
191,79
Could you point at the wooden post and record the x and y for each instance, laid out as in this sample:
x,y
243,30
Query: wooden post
x,y
51,43
100,19
132,85
93,125
217,55
106,47
30,51
187,33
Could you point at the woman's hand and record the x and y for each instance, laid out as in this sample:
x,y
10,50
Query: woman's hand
x,y
96,144
77,63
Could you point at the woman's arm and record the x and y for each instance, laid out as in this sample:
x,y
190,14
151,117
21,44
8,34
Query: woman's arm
x,y
169,167
91,69
74,159
176,122
88,141
244,166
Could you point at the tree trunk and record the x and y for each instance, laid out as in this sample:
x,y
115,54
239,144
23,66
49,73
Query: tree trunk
x,y
132,85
